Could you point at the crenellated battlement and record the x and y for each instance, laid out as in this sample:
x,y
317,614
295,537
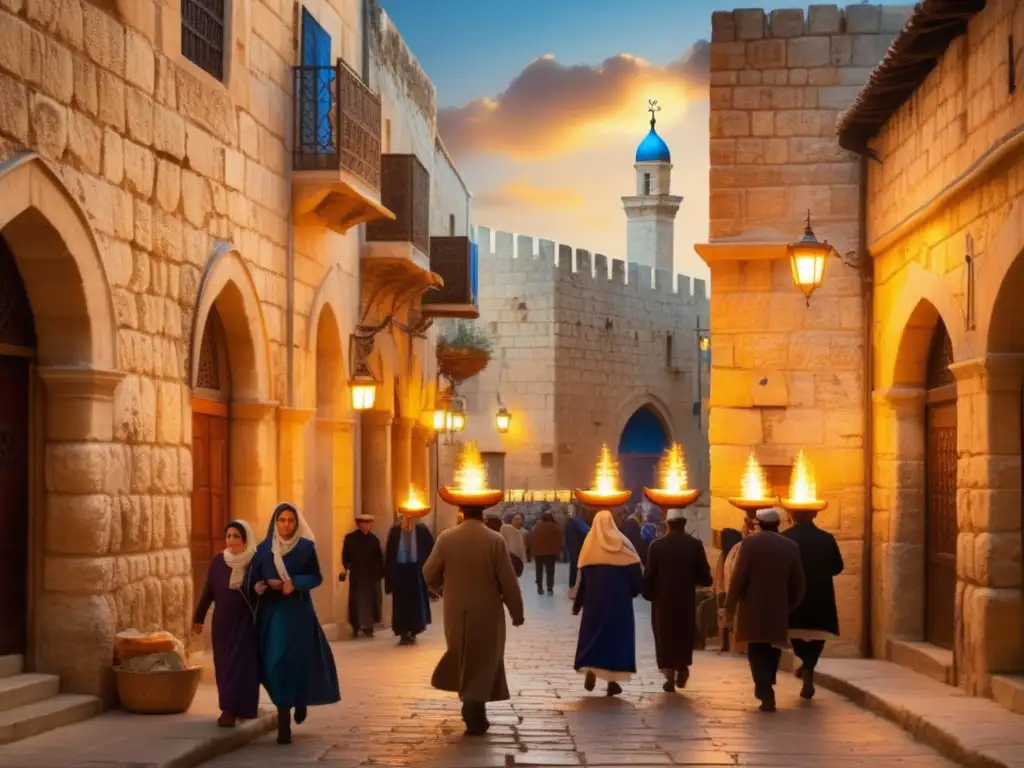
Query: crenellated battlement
x,y
576,266
818,20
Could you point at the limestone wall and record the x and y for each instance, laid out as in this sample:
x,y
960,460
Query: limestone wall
x,y
786,375
949,185
451,200
577,350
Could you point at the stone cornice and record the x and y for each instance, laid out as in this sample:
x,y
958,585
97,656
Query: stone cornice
x,y
1001,372
297,416
253,410
80,382
377,418
899,398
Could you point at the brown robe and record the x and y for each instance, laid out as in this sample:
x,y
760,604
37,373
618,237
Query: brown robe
x,y
471,563
766,585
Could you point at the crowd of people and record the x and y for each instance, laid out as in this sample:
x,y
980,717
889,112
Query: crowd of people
x,y
774,590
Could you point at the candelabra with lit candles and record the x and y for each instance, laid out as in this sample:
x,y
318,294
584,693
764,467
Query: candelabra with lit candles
x,y
415,504
675,491
469,482
606,491
803,490
754,494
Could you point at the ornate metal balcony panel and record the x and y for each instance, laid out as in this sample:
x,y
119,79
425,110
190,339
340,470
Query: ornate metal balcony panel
x,y
454,260
405,190
337,124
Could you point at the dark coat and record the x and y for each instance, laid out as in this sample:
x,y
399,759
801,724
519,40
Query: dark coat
x,y
822,562
767,584
410,609
632,531
361,556
545,539
676,566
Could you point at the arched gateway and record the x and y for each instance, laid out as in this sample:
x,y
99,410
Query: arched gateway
x,y
643,441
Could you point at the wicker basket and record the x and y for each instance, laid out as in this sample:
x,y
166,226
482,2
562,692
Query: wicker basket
x,y
461,363
169,692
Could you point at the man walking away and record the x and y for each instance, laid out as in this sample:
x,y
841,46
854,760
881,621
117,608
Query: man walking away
x,y
676,566
471,563
546,546
766,585
408,547
816,618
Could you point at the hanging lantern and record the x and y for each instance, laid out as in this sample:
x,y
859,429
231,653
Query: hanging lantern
x,y
437,420
362,385
807,259
502,419
705,343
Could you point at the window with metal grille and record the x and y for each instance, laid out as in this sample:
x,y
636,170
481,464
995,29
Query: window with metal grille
x,y
202,34
647,183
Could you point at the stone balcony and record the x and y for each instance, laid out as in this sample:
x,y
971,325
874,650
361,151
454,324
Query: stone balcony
x,y
336,160
401,244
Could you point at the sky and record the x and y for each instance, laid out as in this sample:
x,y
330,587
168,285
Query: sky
x,y
542,103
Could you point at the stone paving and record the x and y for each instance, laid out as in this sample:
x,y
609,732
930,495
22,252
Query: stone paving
x,y
390,716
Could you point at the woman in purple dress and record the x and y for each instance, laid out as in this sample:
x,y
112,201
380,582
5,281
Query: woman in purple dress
x,y
235,642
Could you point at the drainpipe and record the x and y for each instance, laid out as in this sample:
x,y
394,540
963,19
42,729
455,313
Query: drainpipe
x,y
867,269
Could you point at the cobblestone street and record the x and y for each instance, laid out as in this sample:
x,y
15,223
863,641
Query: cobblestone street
x,y
391,716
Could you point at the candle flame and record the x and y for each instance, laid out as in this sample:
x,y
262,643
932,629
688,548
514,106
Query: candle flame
x,y
802,486
606,478
470,474
415,500
755,484
673,470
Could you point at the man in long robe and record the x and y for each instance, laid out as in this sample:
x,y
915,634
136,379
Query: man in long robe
x,y
816,619
363,561
676,566
409,545
471,563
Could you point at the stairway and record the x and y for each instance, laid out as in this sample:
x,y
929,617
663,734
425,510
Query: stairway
x,y
31,704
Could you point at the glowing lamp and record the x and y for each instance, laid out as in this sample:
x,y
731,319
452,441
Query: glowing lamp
x,y
502,420
803,490
705,343
606,491
753,489
807,258
364,393
455,422
674,492
415,503
437,420
469,484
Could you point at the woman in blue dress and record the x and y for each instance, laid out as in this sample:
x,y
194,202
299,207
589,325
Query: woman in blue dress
x,y
610,578
296,664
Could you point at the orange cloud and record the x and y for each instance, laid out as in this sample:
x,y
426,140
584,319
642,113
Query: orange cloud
x,y
549,107
523,193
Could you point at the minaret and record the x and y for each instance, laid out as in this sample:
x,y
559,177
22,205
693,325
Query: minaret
x,y
651,212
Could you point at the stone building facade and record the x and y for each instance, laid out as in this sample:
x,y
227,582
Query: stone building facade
x,y
902,377
187,251
582,343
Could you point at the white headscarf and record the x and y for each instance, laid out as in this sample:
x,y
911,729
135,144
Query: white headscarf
x,y
281,547
238,563
606,544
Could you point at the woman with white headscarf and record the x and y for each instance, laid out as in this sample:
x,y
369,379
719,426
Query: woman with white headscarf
x,y
610,576
235,647
296,664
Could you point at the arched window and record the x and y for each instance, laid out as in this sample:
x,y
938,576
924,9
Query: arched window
x,y
202,34
647,183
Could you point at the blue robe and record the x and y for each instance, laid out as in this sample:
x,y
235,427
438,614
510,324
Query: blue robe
x,y
607,639
410,609
576,530
296,664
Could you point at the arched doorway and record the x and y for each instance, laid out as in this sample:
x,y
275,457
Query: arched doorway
x,y
17,361
940,491
643,441
211,486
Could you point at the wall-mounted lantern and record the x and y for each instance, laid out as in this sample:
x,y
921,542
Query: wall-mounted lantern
x,y
807,258
362,384
502,419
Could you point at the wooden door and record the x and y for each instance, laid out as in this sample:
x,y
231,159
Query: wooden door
x,y
210,490
14,503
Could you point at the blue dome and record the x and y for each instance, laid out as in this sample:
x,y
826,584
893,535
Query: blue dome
x,y
653,149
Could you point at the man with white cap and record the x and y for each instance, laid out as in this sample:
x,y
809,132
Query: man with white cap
x,y
363,561
767,584
676,565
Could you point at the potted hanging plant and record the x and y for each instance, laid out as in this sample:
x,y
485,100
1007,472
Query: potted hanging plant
x,y
463,351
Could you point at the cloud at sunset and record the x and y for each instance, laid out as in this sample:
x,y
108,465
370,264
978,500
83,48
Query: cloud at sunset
x,y
550,108
521,192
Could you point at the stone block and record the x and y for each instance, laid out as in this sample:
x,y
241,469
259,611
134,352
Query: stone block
x,y
786,22
863,19
893,18
723,27
168,132
824,20
78,525
111,104
837,96
869,50
728,56
14,118
750,23
207,104
50,124
136,525
85,623
735,426
793,426
808,52
85,142
842,51
58,80
997,559
996,626
79,575
766,54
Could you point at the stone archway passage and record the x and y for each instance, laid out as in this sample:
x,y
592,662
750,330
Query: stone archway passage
x,y
940,497
642,443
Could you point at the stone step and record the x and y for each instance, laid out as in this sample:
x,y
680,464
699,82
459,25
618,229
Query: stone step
x,y
1008,691
11,665
924,658
41,716
19,690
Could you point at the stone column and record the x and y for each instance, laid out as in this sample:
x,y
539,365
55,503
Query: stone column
x,y
990,615
291,456
897,547
375,469
421,467
86,476
253,459
329,481
401,457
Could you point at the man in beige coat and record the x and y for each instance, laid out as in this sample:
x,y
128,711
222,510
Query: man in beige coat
x,y
767,584
471,563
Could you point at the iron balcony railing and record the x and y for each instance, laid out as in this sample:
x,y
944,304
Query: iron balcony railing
x,y
337,123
